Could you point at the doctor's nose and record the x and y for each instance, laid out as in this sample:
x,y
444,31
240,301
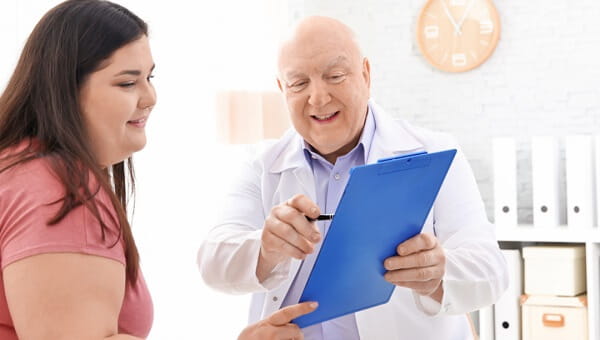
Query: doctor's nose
x,y
319,94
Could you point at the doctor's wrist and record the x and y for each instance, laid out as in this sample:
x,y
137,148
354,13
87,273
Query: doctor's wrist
x,y
438,293
266,264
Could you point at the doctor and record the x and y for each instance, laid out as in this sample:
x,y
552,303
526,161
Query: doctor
x,y
264,245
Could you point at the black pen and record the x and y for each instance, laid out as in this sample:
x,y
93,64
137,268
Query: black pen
x,y
323,217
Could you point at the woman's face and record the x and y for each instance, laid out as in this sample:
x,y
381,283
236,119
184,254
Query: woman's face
x,y
116,101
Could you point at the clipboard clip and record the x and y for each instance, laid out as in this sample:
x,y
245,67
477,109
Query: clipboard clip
x,y
393,158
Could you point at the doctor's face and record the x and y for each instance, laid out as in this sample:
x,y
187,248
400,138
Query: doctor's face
x,y
326,83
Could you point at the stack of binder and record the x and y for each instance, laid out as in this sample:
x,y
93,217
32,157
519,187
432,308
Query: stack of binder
x,y
564,192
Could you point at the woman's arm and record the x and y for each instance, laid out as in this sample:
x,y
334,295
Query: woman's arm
x,y
65,296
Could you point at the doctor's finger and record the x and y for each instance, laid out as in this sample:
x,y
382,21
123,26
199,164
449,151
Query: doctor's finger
x,y
305,205
423,241
289,313
274,244
415,274
424,258
299,222
289,234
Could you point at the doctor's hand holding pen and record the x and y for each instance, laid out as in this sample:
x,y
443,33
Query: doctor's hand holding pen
x,y
278,326
288,232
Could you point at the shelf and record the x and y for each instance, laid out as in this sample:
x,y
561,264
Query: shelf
x,y
529,233
589,236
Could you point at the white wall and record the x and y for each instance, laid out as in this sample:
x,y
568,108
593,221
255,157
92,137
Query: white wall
x,y
542,79
199,47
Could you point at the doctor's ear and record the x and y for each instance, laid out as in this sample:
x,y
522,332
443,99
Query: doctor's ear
x,y
367,72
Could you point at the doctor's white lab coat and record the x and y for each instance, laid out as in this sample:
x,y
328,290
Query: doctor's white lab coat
x,y
476,273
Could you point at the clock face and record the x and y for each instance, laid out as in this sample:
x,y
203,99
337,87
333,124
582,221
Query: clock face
x,y
457,35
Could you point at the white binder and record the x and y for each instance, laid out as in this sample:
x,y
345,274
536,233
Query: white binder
x,y
486,323
548,205
597,149
581,187
507,311
505,181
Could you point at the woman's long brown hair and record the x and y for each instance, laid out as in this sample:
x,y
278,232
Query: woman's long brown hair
x,y
41,104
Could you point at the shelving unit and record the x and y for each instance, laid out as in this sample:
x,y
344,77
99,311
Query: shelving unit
x,y
518,236
561,234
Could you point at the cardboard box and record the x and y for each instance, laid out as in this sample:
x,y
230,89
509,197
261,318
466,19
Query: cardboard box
x,y
554,317
554,270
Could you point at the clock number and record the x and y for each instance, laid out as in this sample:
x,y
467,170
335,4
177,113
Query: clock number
x,y
432,32
459,59
486,27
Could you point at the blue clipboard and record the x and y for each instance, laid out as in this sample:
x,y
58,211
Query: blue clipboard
x,y
383,205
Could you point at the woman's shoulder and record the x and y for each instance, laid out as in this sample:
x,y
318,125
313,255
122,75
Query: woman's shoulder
x,y
22,167
33,176
31,195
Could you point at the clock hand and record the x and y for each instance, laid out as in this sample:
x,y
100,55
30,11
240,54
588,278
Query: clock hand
x,y
464,17
449,15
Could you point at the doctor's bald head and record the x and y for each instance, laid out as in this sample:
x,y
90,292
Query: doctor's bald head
x,y
326,82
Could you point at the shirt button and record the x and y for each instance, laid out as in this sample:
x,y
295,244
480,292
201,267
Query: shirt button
x,y
337,177
274,298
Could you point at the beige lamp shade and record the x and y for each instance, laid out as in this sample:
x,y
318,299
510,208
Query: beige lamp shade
x,y
245,117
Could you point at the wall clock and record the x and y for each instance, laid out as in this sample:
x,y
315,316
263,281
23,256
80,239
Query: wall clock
x,y
457,35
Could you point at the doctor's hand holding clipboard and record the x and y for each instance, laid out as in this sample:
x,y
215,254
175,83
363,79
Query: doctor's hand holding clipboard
x,y
419,265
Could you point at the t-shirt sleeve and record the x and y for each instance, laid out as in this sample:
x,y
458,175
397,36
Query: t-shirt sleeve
x,y
27,194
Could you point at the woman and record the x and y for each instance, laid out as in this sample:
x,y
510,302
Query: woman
x,y
71,116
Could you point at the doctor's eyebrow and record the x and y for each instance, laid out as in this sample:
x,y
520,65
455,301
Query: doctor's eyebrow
x,y
294,74
339,60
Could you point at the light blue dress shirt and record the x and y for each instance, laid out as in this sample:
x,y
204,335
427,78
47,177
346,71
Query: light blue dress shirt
x,y
330,180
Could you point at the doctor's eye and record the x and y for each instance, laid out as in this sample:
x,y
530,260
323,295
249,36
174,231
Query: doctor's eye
x,y
337,78
296,87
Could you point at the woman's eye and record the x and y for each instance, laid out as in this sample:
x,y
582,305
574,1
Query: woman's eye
x,y
150,77
129,84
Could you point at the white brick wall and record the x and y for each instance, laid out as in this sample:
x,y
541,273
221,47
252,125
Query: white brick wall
x,y
543,78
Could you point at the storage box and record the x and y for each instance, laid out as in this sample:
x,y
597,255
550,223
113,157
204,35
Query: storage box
x,y
554,270
554,317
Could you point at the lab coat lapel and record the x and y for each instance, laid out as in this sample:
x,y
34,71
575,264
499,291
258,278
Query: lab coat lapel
x,y
391,138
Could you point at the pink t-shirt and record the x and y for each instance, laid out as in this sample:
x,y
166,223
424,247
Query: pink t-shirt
x,y
25,191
